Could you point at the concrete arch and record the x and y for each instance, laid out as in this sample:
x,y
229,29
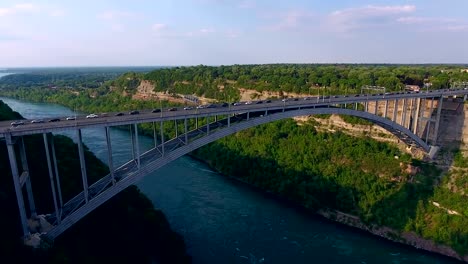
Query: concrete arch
x,y
398,130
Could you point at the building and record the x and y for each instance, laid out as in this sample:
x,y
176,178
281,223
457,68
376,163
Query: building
x,y
413,88
464,70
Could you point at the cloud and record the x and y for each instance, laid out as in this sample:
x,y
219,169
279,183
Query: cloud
x,y
292,19
200,32
57,13
232,33
247,4
158,26
114,15
367,16
434,23
19,8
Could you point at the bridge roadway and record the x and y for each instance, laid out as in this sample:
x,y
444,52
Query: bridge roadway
x,y
132,171
239,118
146,116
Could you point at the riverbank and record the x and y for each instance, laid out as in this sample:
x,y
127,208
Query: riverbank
x,y
407,238
404,238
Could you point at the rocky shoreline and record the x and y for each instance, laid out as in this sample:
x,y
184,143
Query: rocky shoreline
x,y
407,238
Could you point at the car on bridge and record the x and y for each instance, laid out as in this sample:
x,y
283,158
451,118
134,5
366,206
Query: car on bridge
x,y
156,110
236,103
134,112
71,118
119,114
54,120
172,109
224,105
188,108
92,116
36,121
17,123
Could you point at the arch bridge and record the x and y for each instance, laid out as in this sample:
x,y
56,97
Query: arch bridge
x,y
412,117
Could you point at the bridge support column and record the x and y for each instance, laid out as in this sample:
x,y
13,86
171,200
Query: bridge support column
x,y
229,120
161,128
186,131
207,125
376,107
416,116
403,114
395,111
422,109
248,115
176,128
436,129
155,138
386,108
24,164
57,178
196,122
366,105
51,177
82,166
109,154
16,181
411,110
137,145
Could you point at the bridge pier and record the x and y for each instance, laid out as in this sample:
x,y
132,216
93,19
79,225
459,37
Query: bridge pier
x,y
186,131
395,111
411,110
161,128
137,145
24,164
154,136
109,154
386,109
376,107
436,129
18,189
51,177
403,114
84,176
57,178
416,116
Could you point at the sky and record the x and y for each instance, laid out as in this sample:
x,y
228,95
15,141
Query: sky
x,y
52,33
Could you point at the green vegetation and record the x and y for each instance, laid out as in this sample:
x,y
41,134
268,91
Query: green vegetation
x,y
127,229
86,77
355,175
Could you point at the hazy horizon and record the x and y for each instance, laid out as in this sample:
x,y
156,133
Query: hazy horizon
x,y
53,33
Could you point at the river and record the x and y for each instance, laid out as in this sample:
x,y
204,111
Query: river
x,y
224,221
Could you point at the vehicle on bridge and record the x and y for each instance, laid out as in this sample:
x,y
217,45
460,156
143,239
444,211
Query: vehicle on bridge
x,y
36,121
71,118
17,123
134,112
119,114
54,120
92,116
